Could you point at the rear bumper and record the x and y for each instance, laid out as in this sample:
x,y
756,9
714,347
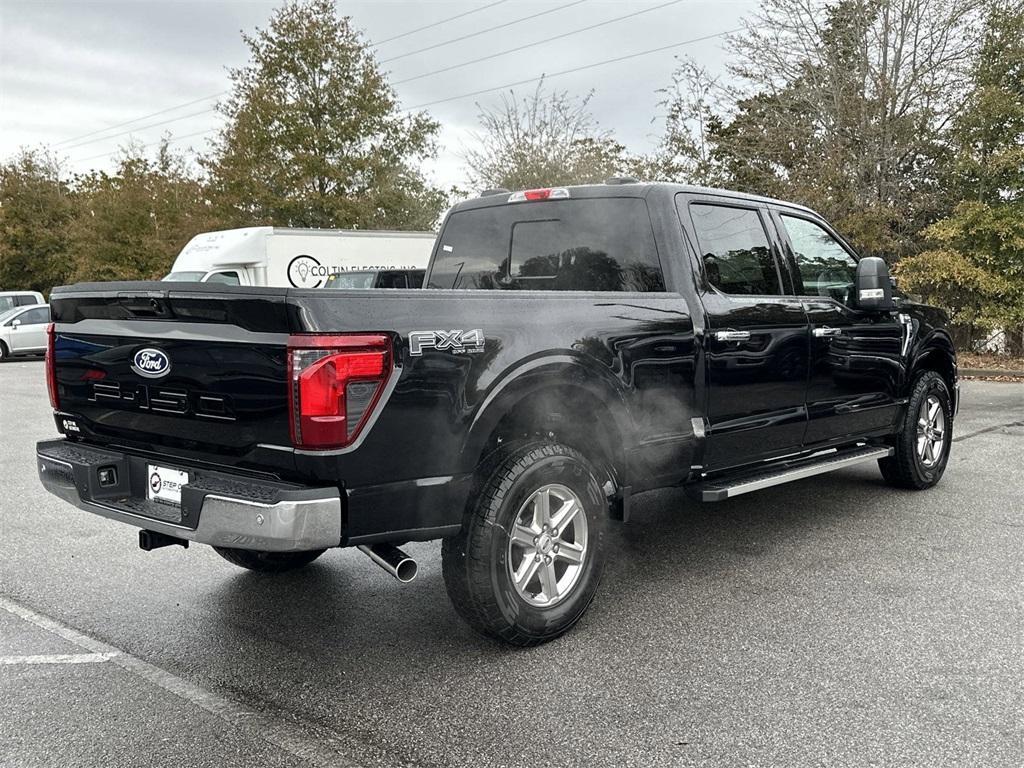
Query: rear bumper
x,y
217,509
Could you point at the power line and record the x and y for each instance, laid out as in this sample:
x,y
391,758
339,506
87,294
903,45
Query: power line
x,y
68,145
458,96
484,31
439,23
140,128
539,42
482,91
137,119
575,69
74,139
150,143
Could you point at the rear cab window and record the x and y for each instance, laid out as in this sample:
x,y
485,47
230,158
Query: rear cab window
x,y
587,244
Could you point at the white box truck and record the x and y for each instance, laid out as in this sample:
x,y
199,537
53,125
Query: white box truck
x,y
299,258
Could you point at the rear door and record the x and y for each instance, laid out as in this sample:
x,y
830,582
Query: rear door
x,y
756,340
856,361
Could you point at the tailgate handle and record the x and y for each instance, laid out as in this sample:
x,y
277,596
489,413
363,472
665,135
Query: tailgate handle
x,y
152,305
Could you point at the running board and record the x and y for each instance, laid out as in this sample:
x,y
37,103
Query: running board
x,y
718,490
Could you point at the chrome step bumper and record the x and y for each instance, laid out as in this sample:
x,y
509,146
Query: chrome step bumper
x,y
217,509
719,490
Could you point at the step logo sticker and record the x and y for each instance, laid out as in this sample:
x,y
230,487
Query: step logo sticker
x,y
151,363
458,342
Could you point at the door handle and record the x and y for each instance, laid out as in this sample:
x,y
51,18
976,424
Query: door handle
x,y
826,332
732,335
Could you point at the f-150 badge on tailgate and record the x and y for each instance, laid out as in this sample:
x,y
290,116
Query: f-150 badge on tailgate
x,y
457,342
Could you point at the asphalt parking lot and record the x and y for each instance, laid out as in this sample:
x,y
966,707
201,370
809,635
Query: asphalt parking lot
x,y
834,621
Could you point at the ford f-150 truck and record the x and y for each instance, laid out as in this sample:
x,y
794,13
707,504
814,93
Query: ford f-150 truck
x,y
570,348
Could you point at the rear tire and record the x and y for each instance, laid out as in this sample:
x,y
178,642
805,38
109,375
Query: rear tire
x,y
268,562
923,444
528,560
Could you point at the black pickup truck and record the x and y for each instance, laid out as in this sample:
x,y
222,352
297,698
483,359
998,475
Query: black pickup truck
x,y
570,348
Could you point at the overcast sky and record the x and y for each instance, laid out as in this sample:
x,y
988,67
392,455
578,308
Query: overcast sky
x,y
74,68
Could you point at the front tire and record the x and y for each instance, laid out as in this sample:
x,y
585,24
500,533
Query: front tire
x,y
268,562
5,353
923,444
528,560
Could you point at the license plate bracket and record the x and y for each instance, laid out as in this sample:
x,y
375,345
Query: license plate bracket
x,y
164,484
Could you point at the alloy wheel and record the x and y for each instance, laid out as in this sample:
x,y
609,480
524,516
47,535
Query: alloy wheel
x,y
548,546
931,432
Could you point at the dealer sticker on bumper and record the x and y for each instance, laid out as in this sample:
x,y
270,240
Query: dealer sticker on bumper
x,y
165,484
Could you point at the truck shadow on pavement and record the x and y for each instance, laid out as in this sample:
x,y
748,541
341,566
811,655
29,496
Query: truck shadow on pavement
x,y
675,553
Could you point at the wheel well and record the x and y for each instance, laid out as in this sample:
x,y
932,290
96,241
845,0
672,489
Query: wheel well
x,y
569,415
942,362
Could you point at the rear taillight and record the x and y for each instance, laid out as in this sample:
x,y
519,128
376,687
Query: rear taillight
x,y
51,368
334,381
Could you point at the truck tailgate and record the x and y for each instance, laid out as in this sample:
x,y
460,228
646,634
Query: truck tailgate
x,y
190,369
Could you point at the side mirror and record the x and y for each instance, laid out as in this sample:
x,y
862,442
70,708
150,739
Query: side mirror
x,y
873,285
15,323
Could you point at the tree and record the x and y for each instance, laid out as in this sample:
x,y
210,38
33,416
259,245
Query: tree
x,y
35,208
984,236
684,153
130,224
542,140
314,136
844,107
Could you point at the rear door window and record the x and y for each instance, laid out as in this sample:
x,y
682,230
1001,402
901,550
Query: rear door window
x,y
735,250
604,244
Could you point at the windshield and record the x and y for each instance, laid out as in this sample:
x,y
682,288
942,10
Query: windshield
x,y
185,277
351,280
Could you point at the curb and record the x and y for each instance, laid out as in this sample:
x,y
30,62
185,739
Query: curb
x,y
990,372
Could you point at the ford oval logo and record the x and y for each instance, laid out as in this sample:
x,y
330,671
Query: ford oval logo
x,y
151,363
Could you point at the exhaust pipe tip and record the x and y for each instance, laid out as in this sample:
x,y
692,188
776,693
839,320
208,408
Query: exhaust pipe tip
x,y
406,570
391,559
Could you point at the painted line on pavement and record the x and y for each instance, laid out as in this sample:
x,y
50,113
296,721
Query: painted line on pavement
x,y
312,744
59,658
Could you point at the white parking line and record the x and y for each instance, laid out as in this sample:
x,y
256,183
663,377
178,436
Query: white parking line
x,y
315,745
59,658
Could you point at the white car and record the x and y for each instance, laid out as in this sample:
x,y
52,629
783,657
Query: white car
x,y
23,330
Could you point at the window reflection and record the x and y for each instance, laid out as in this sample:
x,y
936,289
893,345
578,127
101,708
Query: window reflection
x,y
826,269
735,250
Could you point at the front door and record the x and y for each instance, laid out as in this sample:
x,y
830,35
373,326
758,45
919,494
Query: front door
x,y
856,360
756,340
29,335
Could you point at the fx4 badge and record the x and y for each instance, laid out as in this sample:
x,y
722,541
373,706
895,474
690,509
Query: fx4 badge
x,y
457,342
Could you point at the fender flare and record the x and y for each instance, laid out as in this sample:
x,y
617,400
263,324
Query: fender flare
x,y
560,369
936,341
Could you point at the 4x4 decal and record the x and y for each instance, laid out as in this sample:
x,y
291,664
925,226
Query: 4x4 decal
x,y
458,342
